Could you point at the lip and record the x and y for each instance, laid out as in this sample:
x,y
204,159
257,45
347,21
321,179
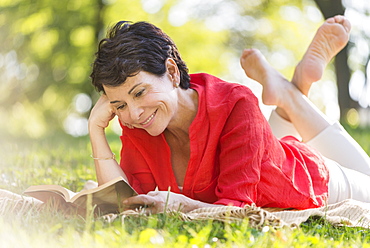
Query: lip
x,y
149,120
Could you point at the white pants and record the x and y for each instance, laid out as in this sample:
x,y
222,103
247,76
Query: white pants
x,y
347,162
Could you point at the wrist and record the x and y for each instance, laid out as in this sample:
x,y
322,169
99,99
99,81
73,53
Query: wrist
x,y
95,129
112,157
189,204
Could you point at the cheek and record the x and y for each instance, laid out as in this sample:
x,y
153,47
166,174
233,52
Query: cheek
x,y
167,109
122,116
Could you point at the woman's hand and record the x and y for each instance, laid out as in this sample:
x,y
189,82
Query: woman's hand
x,y
101,114
156,202
106,166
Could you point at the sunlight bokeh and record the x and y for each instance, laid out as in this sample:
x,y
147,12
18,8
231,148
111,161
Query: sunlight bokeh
x,y
48,47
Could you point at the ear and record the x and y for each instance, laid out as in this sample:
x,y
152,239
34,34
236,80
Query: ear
x,y
173,71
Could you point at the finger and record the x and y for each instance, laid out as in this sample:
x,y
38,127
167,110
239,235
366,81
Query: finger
x,y
140,200
153,193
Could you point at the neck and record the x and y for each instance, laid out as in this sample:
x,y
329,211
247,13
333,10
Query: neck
x,y
186,112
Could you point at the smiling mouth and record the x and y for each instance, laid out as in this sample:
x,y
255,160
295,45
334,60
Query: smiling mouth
x,y
149,118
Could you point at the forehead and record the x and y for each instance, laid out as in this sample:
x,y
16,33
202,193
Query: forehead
x,y
142,78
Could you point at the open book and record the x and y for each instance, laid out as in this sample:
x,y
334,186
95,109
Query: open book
x,y
106,198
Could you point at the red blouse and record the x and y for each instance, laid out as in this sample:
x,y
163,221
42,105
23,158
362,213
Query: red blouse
x,y
235,159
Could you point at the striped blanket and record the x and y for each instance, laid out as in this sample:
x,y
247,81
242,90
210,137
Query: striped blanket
x,y
349,212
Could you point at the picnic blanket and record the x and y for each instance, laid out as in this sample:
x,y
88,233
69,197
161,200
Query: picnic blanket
x,y
349,212
11,203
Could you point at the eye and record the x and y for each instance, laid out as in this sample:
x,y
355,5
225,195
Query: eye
x,y
121,106
139,93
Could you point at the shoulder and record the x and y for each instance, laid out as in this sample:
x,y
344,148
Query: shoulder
x,y
214,89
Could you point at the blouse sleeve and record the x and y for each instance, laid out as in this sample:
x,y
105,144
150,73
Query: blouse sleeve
x,y
135,166
242,145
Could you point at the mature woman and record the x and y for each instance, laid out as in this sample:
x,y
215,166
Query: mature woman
x,y
206,140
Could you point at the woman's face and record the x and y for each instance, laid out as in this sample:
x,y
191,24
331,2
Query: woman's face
x,y
145,101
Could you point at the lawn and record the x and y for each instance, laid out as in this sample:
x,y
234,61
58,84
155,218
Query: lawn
x,y
66,161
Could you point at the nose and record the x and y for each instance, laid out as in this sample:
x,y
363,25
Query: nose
x,y
135,112
131,114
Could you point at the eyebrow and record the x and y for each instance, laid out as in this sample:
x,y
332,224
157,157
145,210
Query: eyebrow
x,y
129,92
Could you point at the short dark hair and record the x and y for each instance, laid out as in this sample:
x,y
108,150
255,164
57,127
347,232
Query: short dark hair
x,y
133,47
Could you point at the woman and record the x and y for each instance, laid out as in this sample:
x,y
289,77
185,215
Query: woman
x,y
203,139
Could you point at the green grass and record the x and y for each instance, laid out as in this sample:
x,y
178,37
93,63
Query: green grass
x,y
66,161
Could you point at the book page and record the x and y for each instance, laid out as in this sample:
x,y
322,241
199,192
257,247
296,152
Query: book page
x,y
108,199
45,192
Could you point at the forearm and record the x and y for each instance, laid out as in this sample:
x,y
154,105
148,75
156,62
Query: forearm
x,y
106,166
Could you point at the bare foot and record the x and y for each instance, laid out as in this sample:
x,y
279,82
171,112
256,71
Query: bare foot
x,y
330,38
274,84
291,104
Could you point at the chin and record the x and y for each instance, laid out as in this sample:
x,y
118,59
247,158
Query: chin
x,y
154,132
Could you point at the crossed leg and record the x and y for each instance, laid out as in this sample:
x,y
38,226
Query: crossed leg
x,y
313,126
348,164
278,91
329,39
326,135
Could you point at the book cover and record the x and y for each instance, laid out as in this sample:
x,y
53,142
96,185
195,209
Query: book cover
x,y
106,198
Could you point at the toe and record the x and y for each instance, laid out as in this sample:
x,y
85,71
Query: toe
x,y
344,22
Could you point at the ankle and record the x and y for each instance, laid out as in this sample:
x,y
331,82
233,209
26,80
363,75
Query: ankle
x,y
281,112
288,94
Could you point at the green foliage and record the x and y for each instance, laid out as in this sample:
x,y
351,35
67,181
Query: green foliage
x,y
52,229
361,135
48,47
316,226
66,161
45,56
30,163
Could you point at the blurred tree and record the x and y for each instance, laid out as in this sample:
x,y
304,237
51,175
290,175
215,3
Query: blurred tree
x,y
282,30
47,48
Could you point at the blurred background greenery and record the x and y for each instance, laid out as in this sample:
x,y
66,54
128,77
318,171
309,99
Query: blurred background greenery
x,y
47,47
